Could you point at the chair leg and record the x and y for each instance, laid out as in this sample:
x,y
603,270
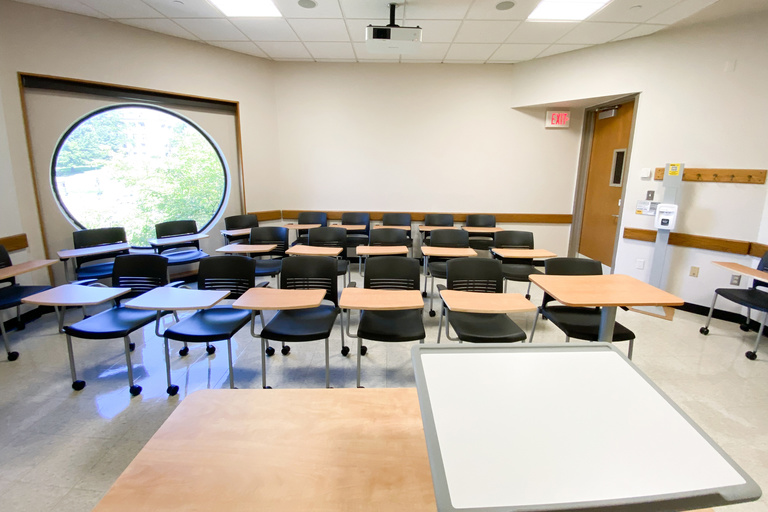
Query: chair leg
x,y
432,296
533,329
264,345
506,281
77,385
705,329
12,356
629,351
231,371
19,324
327,363
135,390
440,323
359,348
752,355
171,389
528,293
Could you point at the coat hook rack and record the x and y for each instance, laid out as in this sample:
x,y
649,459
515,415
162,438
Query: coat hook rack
x,y
750,176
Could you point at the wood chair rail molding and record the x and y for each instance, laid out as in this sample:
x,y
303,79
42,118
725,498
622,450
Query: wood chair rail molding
x,y
753,176
14,242
267,215
700,242
518,218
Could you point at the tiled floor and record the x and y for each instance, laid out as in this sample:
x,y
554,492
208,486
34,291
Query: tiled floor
x,y
60,450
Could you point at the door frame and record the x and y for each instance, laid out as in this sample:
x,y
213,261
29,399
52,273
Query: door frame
x,y
585,152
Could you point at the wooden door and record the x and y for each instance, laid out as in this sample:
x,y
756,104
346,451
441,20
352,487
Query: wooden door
x,y
608,164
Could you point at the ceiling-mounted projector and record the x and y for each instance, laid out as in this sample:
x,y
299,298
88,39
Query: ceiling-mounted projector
x,y
392,38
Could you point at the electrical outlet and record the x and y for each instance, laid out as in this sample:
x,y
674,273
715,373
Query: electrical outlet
x,y
736,279
694,272
640,264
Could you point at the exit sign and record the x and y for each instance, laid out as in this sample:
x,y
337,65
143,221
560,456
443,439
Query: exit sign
x,y
558,119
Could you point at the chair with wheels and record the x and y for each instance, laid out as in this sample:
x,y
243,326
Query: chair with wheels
x,y
386,237
269,264
358,236
309,218
481,242
435,219
480,275
98,266
182,253
140,273
751,298
244,221
577,322
389,273
329,236
457,238
300,325
11,294
235,274
517,269
399,219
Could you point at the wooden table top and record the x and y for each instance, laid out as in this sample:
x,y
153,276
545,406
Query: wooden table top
x,y
432,228
743,269
313,250
448,252
282,450
236,232
75,295
173,240
380,250
604,290
168,298
349,227
382,226
246,248
382,300
276,299
483,230
301,226
23,268
522,253
92,251
476,302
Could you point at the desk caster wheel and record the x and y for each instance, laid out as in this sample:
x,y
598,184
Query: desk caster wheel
x,y
345,351
12,356
270,351
360,387
135,390
432,312
131,347
704,331
172,390
184,351
423,294
285,350
78,385
528,296
751,355
744,327
267,387
210,349
363,350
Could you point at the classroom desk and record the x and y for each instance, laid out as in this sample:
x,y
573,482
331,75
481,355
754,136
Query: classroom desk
x,y
514,253
67,254
581,428
73,295
247,248
380,300
743,269
427,229
377,250
605,291
235,232
382,226
476,302
443,252
301,226
481,230
313,250
349,227
173,240
23,268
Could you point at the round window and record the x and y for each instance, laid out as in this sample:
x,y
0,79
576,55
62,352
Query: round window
x,y
134,166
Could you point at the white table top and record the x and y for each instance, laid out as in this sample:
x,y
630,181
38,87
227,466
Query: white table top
x,y
75,295
551,426
169,298
743,269
513,253
173,240
23,268
236,232
92,251
246,248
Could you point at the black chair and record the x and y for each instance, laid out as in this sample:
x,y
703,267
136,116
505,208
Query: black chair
x,y
269,264
576,322
484,276
480,241
10,297
182,253
386,237
140,273
517,269
435,219
332,237
98,266
389,273
751,298
244,221
309,218
299,325
358,236
437,266
399,219
233,273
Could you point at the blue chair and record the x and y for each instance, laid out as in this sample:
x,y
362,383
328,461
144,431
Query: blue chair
x,y
269,264
98,266
182,253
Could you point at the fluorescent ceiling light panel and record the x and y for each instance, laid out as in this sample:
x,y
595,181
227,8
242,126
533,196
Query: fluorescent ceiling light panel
x,y
566,10
247,8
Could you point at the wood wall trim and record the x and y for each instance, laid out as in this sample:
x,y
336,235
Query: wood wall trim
x,y
751,176
513,218
694,241
757,250
267,215
14,242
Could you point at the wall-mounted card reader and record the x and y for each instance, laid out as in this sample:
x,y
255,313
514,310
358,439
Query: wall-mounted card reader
x,y
666,215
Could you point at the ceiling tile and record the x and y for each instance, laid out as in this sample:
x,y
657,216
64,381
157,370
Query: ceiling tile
x,y
595,33
161,25
266,29
246,47
533,32
486,10
323,9
281,50
517,52
485,31
631,11
436,9
212,29
363,55
73,6
680,11
331,50
561,48
470,52
356,28
437,31
434,52
186,9
369,9
320,30
123,9
641,30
